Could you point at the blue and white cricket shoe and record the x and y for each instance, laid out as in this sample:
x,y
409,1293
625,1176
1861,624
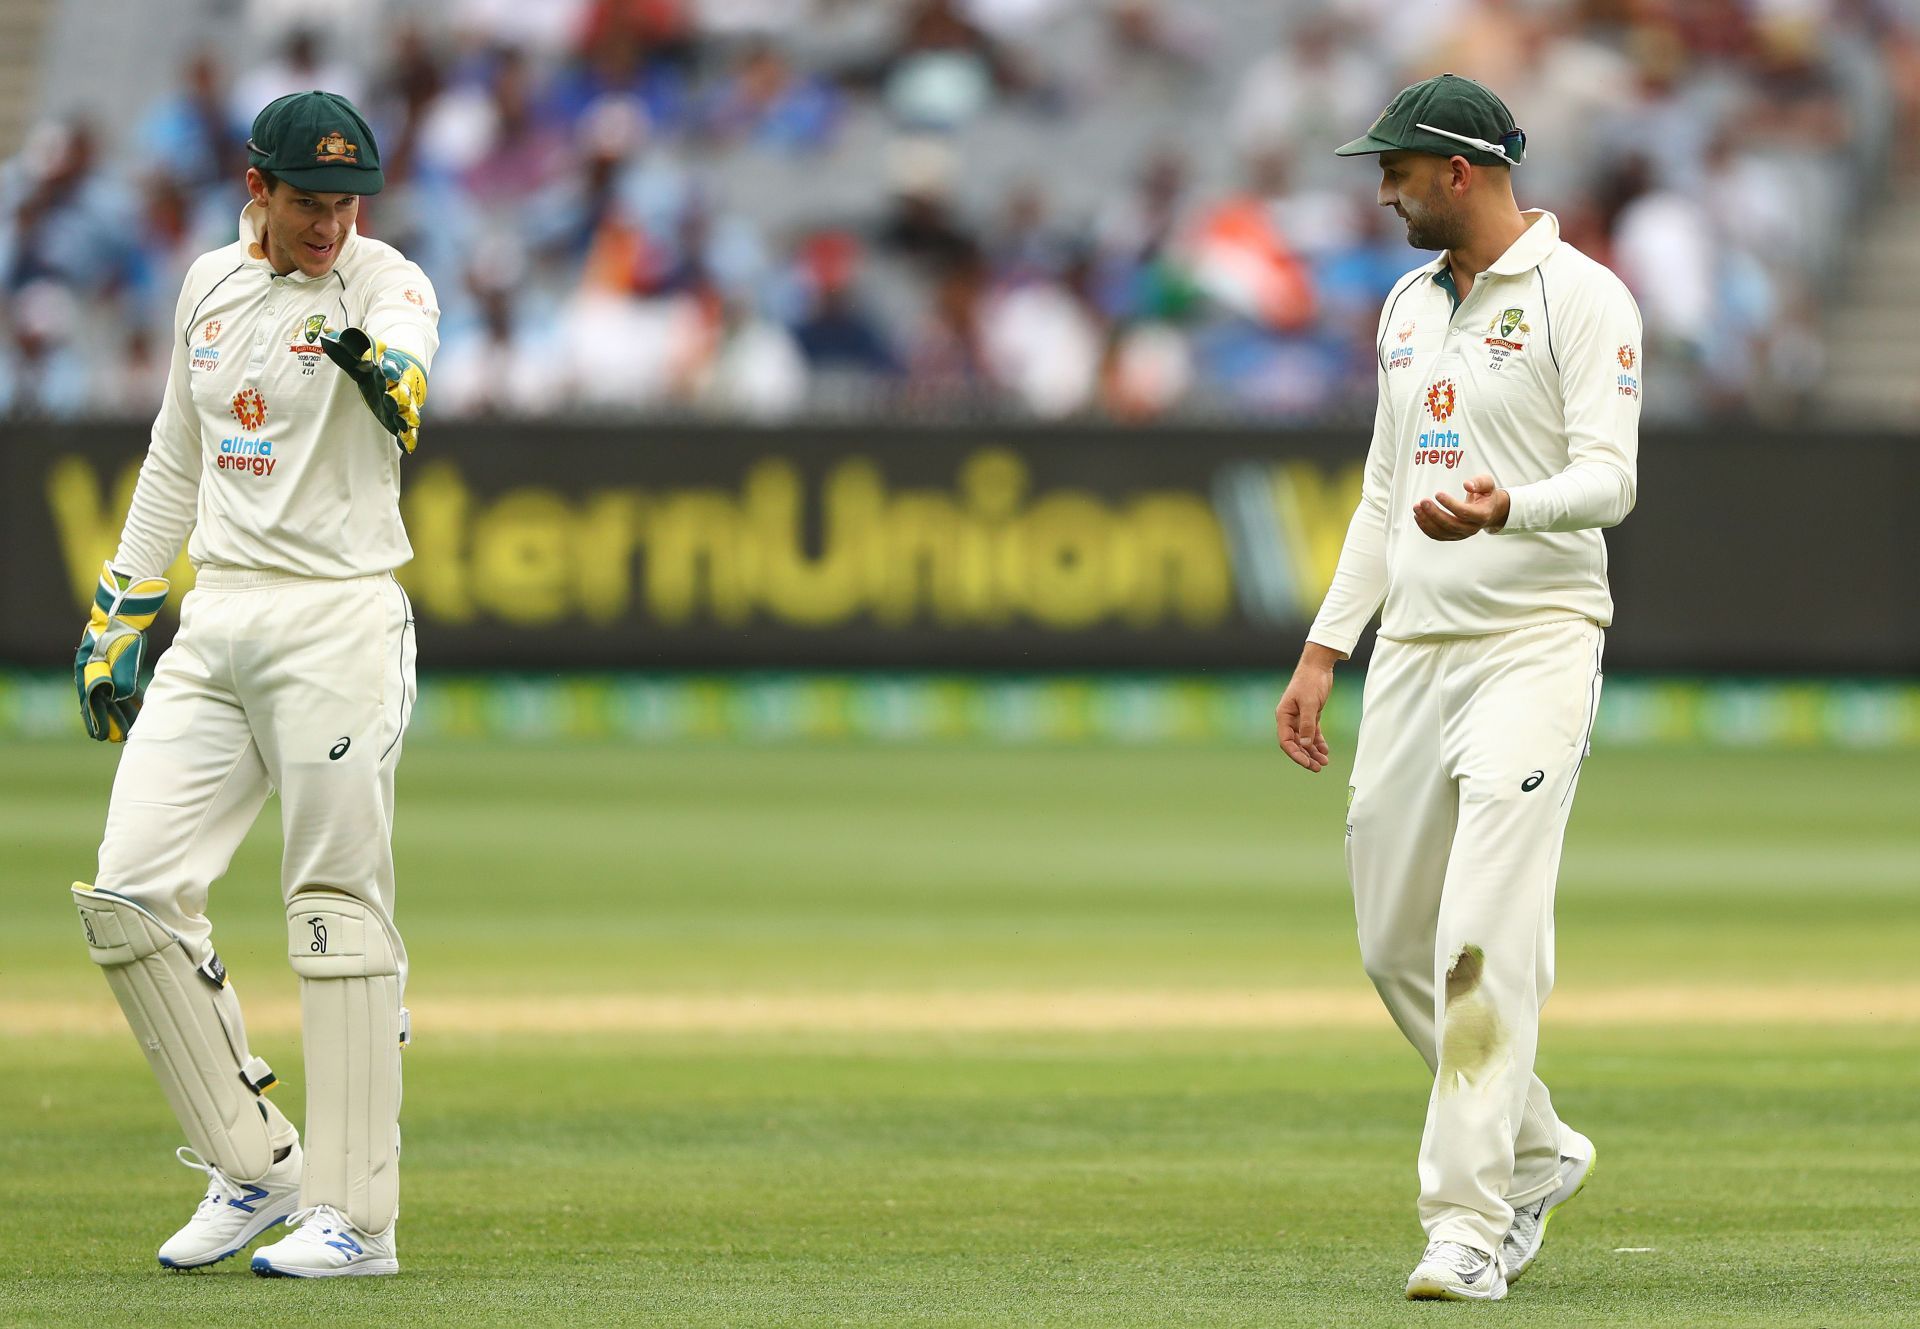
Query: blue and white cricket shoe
x,y
326,1245
232,1213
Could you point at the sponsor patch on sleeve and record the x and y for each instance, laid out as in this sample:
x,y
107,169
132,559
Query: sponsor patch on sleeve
x,y
1627,382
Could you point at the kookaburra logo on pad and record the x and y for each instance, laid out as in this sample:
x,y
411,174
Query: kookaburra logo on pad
x,y
319,946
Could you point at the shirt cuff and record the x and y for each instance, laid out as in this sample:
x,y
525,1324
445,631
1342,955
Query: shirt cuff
x,y
1341,642
1523,511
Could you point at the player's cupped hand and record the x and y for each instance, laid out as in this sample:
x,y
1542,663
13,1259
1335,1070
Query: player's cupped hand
x,y
1444,517
1297,721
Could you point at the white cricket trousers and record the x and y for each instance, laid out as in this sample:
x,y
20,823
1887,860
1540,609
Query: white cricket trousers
x,y
274,682
1469,752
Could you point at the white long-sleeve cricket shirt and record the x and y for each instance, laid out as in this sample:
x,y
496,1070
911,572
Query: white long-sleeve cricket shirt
x,y
1535,379
263,448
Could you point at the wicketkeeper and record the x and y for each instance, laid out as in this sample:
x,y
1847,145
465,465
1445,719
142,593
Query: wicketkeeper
x,y
300,356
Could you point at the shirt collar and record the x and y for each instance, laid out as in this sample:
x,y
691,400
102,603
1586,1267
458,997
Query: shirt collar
x,y
1534,244
253,220
1524,254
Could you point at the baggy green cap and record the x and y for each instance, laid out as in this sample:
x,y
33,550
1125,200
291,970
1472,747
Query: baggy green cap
x,y
318,141
1449,116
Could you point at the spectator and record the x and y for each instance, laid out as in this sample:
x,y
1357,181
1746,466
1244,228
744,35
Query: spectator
x,y
1025,246
300,64
493,137
498,365
404,98
641,49
765,101
753,368
945,70
68,221
191,135
43,374
1663,248
563,220
1154,49
1238,254
922,225
1137,277
1312,89
948,359
836,331
1044,342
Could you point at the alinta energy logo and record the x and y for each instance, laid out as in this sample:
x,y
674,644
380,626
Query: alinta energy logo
x,y
249,408
210,331
1435,446
253,456
1626,382
1402,355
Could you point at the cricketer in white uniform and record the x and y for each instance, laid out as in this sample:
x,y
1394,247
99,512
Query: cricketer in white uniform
x,y
1505,438
299,365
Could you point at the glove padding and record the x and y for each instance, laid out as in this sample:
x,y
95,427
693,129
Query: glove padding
x,y
393,382
106,668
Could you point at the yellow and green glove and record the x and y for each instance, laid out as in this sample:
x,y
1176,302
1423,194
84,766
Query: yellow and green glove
x,y
106,668
393,383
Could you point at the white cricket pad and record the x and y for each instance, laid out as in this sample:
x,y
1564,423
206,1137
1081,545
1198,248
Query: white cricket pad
x,y
187,1018
349,967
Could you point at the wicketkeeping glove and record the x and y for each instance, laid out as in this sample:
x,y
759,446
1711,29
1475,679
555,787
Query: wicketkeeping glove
x,y
106,668
393,382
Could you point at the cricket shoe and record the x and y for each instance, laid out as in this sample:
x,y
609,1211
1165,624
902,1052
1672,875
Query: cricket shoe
x,y
1449,1271
325,1245
232,1213
1521,1245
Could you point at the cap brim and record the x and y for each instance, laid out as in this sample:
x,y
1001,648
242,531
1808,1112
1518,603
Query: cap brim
x,y
1365,145
335,179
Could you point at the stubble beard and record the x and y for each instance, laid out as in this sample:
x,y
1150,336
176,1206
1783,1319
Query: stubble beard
x,y
1433,229
1432,233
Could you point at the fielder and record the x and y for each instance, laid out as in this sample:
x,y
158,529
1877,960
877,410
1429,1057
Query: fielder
x,y
293,671
1506,437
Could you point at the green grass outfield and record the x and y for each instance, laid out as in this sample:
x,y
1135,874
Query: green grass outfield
x,y
850,1035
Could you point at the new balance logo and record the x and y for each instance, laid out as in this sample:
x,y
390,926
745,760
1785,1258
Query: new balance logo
x,y
254,1195
343,1242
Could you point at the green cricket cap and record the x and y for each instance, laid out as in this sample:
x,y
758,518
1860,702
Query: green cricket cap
x,y
1449,116
317,141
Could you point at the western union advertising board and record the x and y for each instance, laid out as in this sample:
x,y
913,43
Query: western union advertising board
x,y
549,546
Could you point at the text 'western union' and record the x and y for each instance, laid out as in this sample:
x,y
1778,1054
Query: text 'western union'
x,y
987,549
986,552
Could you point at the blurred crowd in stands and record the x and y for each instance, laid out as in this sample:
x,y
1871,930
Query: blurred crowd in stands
x,y
972,209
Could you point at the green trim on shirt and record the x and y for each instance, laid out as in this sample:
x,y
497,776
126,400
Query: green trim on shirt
x,y
1444,280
